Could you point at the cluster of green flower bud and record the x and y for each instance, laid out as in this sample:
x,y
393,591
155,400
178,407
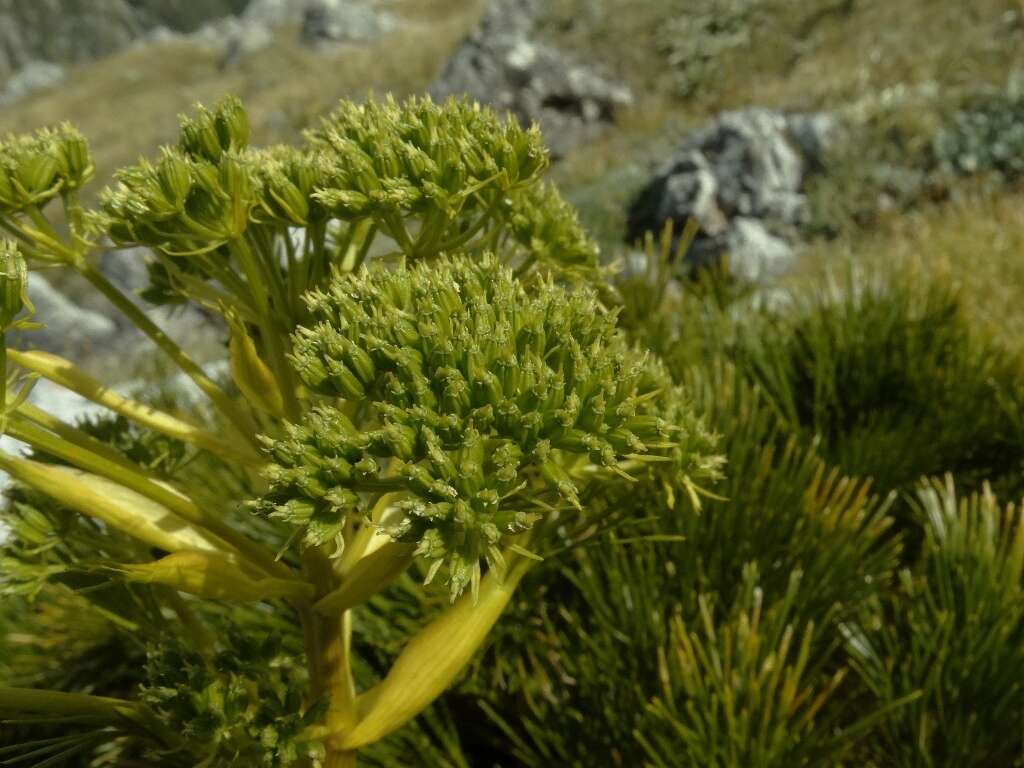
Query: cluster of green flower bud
x,y
184,204
548,229
482,404
13,286
36,168
458,168
420,157
211,133
290,180
200,194
432,177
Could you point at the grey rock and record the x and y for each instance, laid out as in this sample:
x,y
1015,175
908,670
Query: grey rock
x,y
231,36
755,254
322,20
338,21
74,31
813,133
691,185
500,65
126,268
274,13
741,178
34,76
69,329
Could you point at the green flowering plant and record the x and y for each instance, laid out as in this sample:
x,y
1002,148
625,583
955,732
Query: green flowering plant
x,y
426,380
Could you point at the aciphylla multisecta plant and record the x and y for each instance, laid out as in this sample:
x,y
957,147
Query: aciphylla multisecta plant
x,y
426,378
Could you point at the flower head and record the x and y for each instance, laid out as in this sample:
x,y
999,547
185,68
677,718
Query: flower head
x,y
36,168
482,405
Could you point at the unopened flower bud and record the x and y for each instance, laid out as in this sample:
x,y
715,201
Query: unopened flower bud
x,y
13,284
73,157
37,176
175,178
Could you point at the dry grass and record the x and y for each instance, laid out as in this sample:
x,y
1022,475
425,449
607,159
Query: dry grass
x,y
807,53
977,241
819,58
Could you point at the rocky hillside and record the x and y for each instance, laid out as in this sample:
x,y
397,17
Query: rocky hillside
x,y
76,31
789,132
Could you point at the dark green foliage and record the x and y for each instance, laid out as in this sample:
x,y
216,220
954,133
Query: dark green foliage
x,y
783,508
745,689
953,629
888,370
239,706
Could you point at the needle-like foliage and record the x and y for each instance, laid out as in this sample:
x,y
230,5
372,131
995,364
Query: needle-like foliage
x,y
952,630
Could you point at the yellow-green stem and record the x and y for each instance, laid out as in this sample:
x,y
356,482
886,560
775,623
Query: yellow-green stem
x,y
66,374
20,428
270,332
224,403
35,701
336,665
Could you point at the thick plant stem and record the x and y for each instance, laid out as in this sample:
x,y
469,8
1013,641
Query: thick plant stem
x,y
336,664
340,760
224,403
433,658
23,701
328,650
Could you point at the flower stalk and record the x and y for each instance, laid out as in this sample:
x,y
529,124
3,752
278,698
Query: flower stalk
x,y
459,416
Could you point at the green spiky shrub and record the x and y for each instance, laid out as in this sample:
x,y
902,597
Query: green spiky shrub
x,y
952,629
426,385
887,368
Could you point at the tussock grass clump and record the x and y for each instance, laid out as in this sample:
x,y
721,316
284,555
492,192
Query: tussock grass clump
x,y
886,367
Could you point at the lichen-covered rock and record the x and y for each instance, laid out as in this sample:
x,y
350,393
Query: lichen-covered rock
x,y
34,76
68,327
72,31
500,65
323,20
741,178
341,21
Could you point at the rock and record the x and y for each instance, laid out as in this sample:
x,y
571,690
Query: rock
x,y
34,76
126,268
274,13
754,253
500,65
72,32
69,329
322,20
341,21
741,178
813,134
242,38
